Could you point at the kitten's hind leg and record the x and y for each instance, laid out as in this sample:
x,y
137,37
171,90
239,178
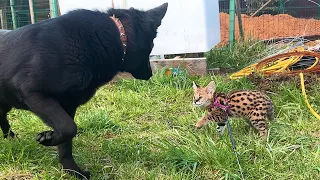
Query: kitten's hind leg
x,y
260,124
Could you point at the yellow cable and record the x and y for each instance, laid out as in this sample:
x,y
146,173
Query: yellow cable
x,y
277,66
315,63
306,98
290,62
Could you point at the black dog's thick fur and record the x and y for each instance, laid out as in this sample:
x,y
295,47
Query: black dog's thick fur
x,y
52,67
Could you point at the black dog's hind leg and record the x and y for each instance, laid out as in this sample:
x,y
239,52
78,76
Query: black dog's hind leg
x,y
4,123
65,155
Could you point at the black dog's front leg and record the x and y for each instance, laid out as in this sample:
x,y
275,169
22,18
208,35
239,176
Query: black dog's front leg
x,y
68,163
66,157
51,112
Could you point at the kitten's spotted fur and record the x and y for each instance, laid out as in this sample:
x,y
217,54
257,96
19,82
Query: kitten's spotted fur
x,y
251,104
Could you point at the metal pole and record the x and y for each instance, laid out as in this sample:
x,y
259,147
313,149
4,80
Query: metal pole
x,y
231,23
281,6
240,19
54,8
13,14
32,14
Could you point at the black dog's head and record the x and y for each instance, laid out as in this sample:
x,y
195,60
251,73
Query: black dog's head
x,y
141,29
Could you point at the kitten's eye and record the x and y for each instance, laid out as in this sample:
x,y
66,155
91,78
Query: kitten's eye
x,y
197,99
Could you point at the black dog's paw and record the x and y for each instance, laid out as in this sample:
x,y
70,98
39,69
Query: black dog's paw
x,y
11,135
83,175
48,138
86,174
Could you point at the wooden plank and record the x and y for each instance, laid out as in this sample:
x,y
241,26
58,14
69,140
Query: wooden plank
x,y
32,14
221,70
238,10
194,66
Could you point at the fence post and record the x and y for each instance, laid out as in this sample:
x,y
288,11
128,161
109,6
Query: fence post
x,y
13,14
2,19
231,23
240,19
281,9
32,14
54,8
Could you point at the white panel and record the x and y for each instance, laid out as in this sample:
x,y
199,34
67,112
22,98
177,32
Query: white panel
x,y
189,25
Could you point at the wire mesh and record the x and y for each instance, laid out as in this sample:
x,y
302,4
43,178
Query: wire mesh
x,y
22,12
278,19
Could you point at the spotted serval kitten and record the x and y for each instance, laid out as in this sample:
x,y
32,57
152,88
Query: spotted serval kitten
x,y
250,104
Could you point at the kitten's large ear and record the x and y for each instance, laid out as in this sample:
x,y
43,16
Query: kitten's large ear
x,y
157,14
195,85
211,87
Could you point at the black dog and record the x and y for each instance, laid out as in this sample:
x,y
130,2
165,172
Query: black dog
x,y
54,66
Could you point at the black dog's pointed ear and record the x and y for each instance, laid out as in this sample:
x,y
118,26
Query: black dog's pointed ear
x,y
158,13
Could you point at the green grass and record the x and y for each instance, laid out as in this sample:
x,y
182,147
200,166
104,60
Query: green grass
x,y
145,130
242,55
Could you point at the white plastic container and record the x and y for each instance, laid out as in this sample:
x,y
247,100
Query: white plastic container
x,y
189,26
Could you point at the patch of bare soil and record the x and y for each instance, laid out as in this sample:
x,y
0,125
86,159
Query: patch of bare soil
x,y
16,176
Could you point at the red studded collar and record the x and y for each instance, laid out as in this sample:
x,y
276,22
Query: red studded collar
x,y
123,35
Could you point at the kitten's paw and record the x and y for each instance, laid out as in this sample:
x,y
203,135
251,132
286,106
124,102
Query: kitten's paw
x,y
221,129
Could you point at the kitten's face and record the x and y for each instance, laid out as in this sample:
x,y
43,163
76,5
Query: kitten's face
x,y
203,96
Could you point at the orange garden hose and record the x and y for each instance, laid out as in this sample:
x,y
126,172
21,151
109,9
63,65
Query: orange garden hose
x,y
279,64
